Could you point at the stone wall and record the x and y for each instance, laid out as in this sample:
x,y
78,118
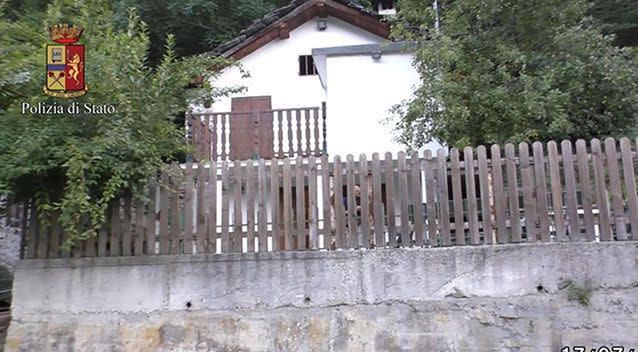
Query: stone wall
x,y
527,297
10,237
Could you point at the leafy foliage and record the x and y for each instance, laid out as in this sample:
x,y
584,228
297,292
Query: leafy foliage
x,y
510,71
618,17
76,165
199,25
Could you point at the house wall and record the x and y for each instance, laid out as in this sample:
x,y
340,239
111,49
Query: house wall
x,y
519,297
274,68
360,93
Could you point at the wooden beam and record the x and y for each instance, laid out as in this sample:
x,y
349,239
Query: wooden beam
x,y
284,32
303,14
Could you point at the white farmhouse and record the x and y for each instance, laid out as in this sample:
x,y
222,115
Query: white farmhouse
x,y
323,76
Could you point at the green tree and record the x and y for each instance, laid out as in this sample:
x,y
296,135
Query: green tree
x,y
198,25
618,17
77,164
509,71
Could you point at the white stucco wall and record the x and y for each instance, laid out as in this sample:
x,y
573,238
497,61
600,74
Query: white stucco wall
x,y
360,93
274,68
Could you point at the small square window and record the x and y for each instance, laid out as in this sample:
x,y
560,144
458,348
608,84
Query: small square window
x,y
307,65
383,4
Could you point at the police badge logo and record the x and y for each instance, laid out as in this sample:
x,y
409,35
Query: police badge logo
x,y
65,63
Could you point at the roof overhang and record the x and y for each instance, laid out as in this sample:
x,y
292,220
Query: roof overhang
x,y
320,55
281,28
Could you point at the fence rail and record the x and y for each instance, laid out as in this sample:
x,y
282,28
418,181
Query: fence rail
x,y
549,193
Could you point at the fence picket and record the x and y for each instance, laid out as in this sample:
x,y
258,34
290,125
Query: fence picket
x,y
287,211
313,207
377,214
225,193
557,190
351,204
364,238
300,219
188,209
325,195
570,190
102,239
417,198
430,199
389,191
54,249
200,210
237,237
615,192
404,200
585,188
211,241
262,214
151,217
470,186
630,184
138,244
457,197
512,192
484,186
499,195
601,194
176,186
164,234
532,229
126,230
277,236
444,200
339,210
42,245
114,241
250,206
541,191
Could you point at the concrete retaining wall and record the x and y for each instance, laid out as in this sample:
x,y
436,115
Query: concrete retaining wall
x,y
10,236
536,297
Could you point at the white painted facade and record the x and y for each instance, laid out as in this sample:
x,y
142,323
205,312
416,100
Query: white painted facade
x,y
274,68
358,90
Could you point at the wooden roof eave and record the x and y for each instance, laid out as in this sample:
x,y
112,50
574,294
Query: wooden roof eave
x,y
301,15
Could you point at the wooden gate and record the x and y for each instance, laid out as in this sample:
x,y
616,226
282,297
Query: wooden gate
x,y
251,129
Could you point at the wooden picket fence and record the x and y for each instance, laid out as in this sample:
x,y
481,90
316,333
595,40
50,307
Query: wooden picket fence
x,y
551,193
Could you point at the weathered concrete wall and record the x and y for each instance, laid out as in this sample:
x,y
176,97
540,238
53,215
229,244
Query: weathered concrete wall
x,y
9,242
500,298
